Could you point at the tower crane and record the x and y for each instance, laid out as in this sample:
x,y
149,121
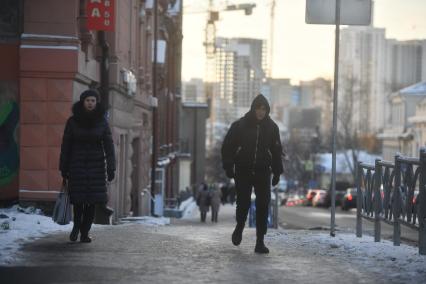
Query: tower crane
x,y
213,17
271,37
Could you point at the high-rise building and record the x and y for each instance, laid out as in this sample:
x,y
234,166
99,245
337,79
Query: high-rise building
x,y
363,78
423,43
193,90
280,95
239,73
318,94
406,62
371,69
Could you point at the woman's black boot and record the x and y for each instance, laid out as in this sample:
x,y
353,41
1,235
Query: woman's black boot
x,y
74,233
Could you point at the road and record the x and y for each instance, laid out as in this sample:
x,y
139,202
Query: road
x,y
312,218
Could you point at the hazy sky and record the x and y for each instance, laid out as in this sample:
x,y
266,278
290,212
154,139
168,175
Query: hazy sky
x,y
302,51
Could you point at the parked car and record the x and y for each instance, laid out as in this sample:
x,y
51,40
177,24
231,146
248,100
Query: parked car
x,y
349,199
283,195
320,198
310,196
341,188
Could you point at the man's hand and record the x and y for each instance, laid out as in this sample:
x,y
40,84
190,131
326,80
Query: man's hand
x,y
230,173
275,180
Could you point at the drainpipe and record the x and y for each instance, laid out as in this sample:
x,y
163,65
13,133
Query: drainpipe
x,y
104,88
103,212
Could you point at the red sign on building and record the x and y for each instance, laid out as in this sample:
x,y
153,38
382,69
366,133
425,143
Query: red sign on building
x,y
100,15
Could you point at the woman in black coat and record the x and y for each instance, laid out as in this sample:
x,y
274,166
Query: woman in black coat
x,y
86,145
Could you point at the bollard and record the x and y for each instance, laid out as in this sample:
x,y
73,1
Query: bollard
x,y
103,214
358,200
396,206
421,213
276,208
377,200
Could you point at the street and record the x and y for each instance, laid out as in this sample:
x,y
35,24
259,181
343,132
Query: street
x,y
313,218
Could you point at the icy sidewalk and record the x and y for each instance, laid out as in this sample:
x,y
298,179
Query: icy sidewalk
x,y
188,251
20,225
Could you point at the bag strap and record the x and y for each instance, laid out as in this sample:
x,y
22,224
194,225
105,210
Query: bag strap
x,y
64,187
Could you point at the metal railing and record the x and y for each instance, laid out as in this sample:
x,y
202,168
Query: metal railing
x,y
394,193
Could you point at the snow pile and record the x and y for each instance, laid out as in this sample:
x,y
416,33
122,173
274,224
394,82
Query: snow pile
x,y
188,207
147,220
403,263
19,225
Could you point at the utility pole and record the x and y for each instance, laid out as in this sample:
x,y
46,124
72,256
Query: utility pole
x,y
154,110
336,88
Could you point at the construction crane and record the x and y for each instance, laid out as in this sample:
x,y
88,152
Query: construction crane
x,y
271,38
213,17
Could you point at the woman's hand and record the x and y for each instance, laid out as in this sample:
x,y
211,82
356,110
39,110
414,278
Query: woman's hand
x,y
111,175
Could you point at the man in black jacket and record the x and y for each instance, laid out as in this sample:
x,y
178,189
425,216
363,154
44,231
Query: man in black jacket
x,y
250,152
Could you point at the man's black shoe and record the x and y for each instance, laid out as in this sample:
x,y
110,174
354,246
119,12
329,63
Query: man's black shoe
x,y
85,239
74,234
237,235
261,248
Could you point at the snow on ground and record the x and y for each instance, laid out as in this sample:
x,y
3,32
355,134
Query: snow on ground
x,y
403,263
19,225
188,207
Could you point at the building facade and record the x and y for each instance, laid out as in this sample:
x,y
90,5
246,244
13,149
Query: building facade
x,y
318,94
280,92
53,57
372,68
419,126
193,91
193,144
402,135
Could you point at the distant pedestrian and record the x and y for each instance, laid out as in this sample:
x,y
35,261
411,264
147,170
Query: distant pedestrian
x,y
250,151
86,145
216,196
224,191
203,200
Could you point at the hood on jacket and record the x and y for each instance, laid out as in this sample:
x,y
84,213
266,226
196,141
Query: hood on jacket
x,y
85,118
258,101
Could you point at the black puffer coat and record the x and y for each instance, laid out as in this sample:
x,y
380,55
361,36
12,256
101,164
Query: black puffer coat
x,y
253,145
86,144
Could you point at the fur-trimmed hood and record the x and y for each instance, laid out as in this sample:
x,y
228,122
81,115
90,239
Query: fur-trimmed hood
x,y
87,119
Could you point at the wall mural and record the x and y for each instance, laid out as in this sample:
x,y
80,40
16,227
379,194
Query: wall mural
x,y
9,150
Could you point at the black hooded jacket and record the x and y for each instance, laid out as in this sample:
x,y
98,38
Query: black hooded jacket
x,y
253,145
86,144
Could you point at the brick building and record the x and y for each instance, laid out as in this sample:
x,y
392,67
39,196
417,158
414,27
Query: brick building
x,y
49,57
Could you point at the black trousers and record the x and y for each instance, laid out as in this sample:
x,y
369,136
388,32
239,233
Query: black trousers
x,y
203,216
84,214
244,183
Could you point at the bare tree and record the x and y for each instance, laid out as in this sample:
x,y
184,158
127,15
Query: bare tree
x,y
214,171
354,103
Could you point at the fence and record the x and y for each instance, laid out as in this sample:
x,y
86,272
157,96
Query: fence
x,y
394,193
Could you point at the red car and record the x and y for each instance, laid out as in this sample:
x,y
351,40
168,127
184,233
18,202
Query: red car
x,y
310,195
349,199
